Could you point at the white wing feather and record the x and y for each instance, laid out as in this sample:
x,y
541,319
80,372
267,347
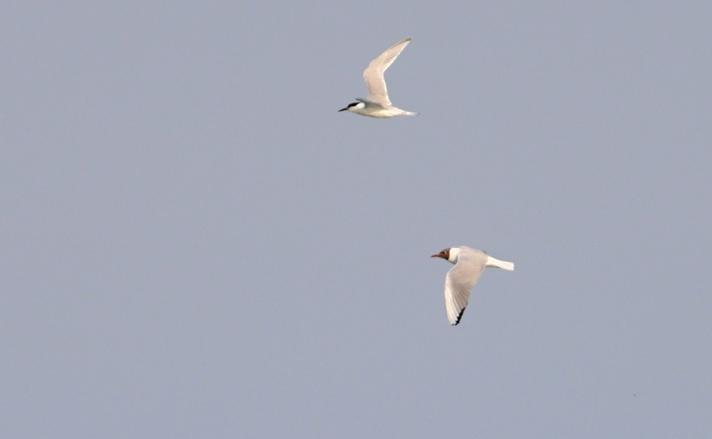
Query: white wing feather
x,y
458,283
373,74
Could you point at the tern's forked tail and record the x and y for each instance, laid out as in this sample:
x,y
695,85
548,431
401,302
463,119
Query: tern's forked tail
x,y
504,265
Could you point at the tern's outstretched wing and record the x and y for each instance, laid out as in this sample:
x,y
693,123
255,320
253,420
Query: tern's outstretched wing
x,y
373,75
458,283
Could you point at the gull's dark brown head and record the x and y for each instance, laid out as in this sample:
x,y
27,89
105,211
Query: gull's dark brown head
x,y
445,254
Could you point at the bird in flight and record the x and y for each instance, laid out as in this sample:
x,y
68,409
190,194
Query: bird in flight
x,y
469,265
377,103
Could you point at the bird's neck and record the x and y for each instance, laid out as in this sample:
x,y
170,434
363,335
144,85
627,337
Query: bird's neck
x,y
453,254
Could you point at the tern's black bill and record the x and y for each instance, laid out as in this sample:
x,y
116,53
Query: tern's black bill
x,y
344,109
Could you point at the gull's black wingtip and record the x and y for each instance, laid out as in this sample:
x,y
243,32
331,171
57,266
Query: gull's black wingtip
x,y
459,317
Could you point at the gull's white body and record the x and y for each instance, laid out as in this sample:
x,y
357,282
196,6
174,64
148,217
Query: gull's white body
x,y
469,264
377,104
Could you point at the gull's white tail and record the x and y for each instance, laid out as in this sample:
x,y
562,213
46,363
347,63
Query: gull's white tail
x,y
504,265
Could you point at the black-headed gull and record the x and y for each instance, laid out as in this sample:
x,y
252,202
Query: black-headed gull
x,y
469,265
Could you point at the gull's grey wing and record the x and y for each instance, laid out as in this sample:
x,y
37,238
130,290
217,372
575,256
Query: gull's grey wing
x,y
373,74
460,280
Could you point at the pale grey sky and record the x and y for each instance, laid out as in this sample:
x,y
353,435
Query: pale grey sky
x,y
194,243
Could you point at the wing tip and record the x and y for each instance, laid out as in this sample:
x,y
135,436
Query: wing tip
x,y
405,41
459,317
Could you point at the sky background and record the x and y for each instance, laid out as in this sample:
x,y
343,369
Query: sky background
x,y
194,243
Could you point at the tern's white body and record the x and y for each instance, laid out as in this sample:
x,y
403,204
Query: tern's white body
x,y
378,104
469,264
371,109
